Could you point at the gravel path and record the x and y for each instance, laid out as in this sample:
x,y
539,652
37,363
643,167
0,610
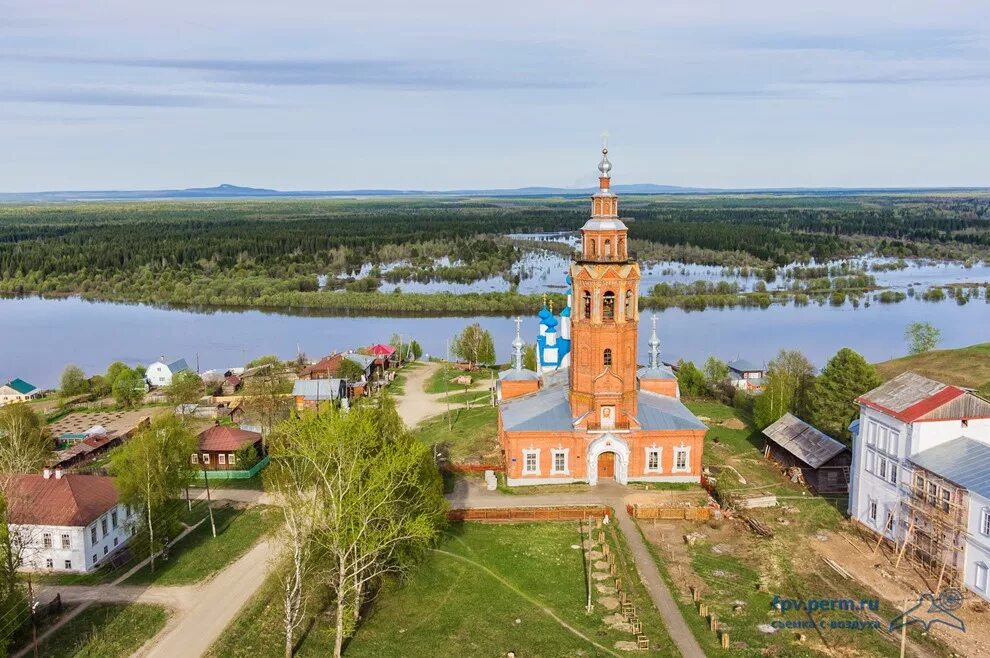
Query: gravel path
x,y
416,405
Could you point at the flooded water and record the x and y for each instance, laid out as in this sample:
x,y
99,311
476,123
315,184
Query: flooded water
x,y
40,336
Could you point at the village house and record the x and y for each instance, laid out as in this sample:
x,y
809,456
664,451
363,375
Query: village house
x,y
310,394
160,373
746,376
591,413
231,384
325,368
18,390
67,522
808,455
218,446
88,449
921,476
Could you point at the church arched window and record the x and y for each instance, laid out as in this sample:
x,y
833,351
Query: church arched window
x,y
608,306
591,248
586,304
607,357
630,310
620,250
608,249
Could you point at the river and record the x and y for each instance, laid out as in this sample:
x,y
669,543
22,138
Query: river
x,y
41,336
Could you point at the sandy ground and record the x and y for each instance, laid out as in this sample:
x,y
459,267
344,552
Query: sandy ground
x,y
416,405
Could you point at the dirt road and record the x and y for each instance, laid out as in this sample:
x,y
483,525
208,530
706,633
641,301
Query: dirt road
x,y
192,631
416,405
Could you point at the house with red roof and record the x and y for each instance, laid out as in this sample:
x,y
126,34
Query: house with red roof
x,y
68,522
218,446
920,476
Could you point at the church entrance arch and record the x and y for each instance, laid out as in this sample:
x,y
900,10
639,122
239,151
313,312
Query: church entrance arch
x,y
608,457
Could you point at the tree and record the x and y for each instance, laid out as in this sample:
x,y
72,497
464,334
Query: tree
x,y
25,446
846,376
376,496
151,471
128,388
114,370
270,360
14,610
716,370
73,381
789,381
186,388
529,357
474,345
690,380
400,346
267,398
922,337
350,370
416,349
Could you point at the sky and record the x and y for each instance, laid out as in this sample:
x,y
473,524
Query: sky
x,y
324,94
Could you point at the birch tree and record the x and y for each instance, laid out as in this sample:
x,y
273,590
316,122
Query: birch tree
x,y
377,495
151,471
25,446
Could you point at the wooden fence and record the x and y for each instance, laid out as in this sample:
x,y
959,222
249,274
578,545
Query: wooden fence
x,y
473,468
551,513
649,512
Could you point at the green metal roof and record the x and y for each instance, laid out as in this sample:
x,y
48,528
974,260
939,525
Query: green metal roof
x,y
22,386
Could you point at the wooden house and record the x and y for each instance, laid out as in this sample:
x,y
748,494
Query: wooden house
x,y
821,461
218,446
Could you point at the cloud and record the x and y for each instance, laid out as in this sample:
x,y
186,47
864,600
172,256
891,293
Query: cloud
x,y
914,43
324,72
912,78
120,98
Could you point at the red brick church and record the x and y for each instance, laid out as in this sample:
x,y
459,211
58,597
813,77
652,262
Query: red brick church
x,y
592,412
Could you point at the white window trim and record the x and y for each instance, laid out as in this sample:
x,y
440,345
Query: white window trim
x,y
206,458
194,459
646,464
873,511
222,459
682,450
985,521
525,454
230,459
553,461
976,576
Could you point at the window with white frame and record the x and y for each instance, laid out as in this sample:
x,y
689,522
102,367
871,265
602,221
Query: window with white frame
x,y
66,544
872,511
985,521
653,455
681,459
881,451
980,581
222,458
559,461
46,540
230,459
531,462
206,458
194,458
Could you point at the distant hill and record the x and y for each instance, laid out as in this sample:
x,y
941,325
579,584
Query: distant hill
x,y
228,191
967,366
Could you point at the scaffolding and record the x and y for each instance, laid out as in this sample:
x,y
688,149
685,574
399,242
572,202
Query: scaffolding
x,y
935,513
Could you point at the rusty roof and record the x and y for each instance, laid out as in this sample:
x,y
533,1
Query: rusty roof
x,y
807,443
909,396
71,500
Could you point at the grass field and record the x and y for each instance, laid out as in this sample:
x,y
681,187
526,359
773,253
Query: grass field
x,y
253,483
966,366
105,630
199,555
473,433
481,594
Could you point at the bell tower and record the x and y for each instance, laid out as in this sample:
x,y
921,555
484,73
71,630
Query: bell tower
x,y
605,316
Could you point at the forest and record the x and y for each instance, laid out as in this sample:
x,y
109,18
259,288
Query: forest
x,y
352,254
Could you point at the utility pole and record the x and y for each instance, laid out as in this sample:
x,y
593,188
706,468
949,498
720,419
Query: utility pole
x,y
34,623
209,505
904,626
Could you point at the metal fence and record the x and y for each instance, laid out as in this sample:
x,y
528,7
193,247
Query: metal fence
x,y
237,475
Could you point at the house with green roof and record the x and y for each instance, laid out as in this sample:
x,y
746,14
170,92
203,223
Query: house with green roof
x,y
18,390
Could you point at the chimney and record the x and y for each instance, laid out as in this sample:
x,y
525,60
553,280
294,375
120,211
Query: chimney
x,y
47,473
58,473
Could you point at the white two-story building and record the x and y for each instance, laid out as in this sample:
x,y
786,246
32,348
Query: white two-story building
x,y
67,522
921,476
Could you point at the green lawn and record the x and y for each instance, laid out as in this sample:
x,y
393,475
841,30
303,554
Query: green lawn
x,y
713,410
441,380
966,366
199,555
105,630
481,596
473,433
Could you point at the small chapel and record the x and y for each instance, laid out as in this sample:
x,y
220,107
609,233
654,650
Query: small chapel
x,y
592,413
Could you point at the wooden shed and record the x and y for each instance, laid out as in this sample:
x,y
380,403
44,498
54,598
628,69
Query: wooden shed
x,y
801,449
